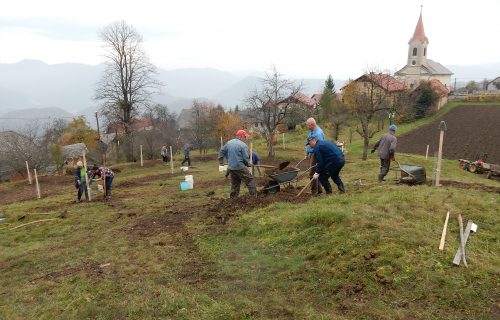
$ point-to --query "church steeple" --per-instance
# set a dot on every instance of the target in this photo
(417, 46)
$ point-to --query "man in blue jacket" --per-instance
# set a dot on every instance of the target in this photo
(330, 160)
(314, 132)
(238, 157)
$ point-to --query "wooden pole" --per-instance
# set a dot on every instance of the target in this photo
(171, 160)
(221, 143)
(38, 193)
(443, 235)
(283, 141)
(29, 173)
(462, 239)
(250, 160)
(307, 185)
(37, 221)
(142, 162)
(440, 155)
(103, 157)
(86, 176)
(427, 152)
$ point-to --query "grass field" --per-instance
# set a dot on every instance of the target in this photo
(155, 252)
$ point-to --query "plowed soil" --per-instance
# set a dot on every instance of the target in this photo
(472, 132)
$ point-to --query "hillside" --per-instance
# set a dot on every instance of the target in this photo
(472, 132)
(154, 251)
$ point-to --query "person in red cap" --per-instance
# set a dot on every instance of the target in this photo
(237, 155)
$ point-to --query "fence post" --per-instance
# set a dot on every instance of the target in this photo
(38, 193)
(171, 160)
(142, 163)
(86, 176)
(29, 173)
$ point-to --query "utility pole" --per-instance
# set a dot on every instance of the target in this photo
(103, 156)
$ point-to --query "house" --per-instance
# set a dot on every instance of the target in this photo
(442, 92)
(493, 85)
(138, 125)
(418, 66)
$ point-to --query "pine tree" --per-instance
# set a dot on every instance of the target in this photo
(330, 84)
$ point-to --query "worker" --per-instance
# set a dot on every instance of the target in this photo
(329, 162)
(237, 155)
(81, 182)
(105, 174)
(256, 162)
(164, 153)
(314, 132)
(187, 149)
(386, 149)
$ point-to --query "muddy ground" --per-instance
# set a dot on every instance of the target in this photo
(472, 132)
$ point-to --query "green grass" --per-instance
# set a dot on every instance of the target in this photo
(369, 254)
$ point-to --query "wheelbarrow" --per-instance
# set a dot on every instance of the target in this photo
(410, 174)
(281, 178)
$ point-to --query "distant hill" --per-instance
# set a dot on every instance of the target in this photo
(21, 120)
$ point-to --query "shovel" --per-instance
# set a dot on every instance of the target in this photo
(283, 165)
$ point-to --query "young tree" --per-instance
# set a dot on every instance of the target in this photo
(78, 131)
(227, 125)
(128, 83)
(333, 111)
(424, 98)
(369, 95)
(270, 104)
(201, 125)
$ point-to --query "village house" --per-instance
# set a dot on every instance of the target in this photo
(494, 85)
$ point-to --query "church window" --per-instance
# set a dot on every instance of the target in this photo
(414, 51)
(425, 51)
(413, 62)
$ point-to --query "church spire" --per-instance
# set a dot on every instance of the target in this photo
(419, 33)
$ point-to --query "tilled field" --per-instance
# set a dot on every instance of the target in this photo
(472, 132)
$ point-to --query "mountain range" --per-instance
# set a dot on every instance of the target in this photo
(34, 89)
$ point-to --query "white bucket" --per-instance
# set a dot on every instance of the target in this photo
(222, 168)
(184, 169)
(189, 179)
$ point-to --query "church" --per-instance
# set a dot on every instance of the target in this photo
(418, 66)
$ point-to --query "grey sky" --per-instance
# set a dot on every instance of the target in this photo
(302, 38)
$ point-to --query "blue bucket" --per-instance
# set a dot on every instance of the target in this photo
(184, 185)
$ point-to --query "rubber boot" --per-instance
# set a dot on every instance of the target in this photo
(341, 188)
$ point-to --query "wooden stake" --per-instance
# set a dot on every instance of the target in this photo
(142, 163)
(29, 173)
(171, 160)
(462, 239)
(283, 141)
(458, 255)
(38, 194)
(440, 154)
(86, 176)
(221, 143)
(443, 235)
(250, 160)
(427, 152)
(37, 221)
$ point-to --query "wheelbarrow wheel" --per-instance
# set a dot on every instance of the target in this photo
(272, 187)
(462, 165)
(473, 168)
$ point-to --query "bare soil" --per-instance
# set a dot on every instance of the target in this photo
(472, 132)
(49, 185)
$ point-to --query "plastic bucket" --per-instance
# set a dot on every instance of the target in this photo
(184, 185)
(222, 168)
(184, 169)
(189, 179)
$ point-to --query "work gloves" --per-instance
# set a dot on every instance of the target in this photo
(316, 175)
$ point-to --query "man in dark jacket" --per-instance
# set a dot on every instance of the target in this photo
(187, 149)
(329, 162)
(386, 149)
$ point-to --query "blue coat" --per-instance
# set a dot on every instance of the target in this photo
(327, 154)
(316, 133)
(236, 153)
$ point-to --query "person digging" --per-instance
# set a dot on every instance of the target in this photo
(329, 161)
(237, 155)
(386, 149)
(81, 182)
(314, 132)
(105, 174)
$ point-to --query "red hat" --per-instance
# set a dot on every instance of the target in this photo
(241, 133)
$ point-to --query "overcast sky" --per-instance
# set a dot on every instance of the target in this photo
(309, 38)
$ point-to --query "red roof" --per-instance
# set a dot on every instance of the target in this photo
(439, 88)
(419, 33)
(385, 81)
(300, 97)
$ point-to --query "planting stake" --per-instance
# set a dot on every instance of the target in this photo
(142, 163)
(443, 235)
(427, 152)
(458, 255)
(442, 128)
(86, 176)
(283, 141)
(171, 161)
(462, 241)
(38, 194)
(250, 161)
(29, 173)
(221, 143)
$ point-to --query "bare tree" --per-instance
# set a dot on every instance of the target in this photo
(369, 96)
(163, 130)
(128, 81)
(270, 103)
(203, 124)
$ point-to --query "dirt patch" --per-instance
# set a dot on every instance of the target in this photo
(171, 222)
(472, 132)
(463, 185)
(49, 185)
(226, 208)
(90, 268)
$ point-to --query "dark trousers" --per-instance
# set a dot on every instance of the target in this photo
(82, 190)
(186, 158)
(331, 171)
(242, 175)
(165, 158)
(109, 181)
(315, 186)
(385, 164)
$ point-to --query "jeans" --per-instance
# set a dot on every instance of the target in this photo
(188, 161)
(242, 175)
(385, 164)
(331, 171)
